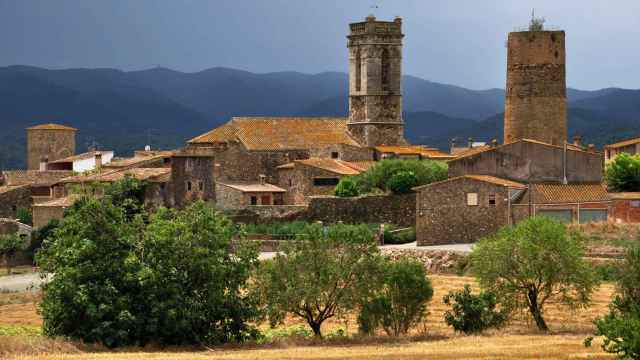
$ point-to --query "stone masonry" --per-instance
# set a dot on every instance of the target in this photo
(535, 103)
(49, 141)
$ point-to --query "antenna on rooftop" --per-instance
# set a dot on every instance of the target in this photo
(536, 24)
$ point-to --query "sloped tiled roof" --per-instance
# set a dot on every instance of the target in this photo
(280, 133)
(34, 177)
(252, 187)
(625, 195)
(83, 156)
(484, 178)
(623, 143)
(415, 150)
(51, 126)
(59, 202)
(569, 193)
(150, 174)
(332, 165)
(480, 149)
(139, 159)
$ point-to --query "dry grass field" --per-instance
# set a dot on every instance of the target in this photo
(433, 340)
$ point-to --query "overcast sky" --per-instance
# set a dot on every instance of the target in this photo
(460, 42)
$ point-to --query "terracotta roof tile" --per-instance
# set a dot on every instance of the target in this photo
(83, 156)
(570, 193)
(253, 187)
(625, 195)
(281, 133)
(137, 160)
(332, 165)
(480, 149)
(59, 202)
(623, 143)
(483, 178)
(150, 174)
(414, 150)
(51, 126)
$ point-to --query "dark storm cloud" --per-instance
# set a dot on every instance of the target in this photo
(454, 41)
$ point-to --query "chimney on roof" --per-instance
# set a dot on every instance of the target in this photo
(263, 179)
(577, 140)
(43, 163)
(98, 157)
(470, 143)
(147, 148)
(453, 144)
(494, 143)
(591, 148)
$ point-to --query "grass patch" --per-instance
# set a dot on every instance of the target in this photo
(19, 330)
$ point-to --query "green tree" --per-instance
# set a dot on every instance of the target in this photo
(472, 313)
(621, 326)
(24, 216)
(320, 275)
(10, 245)
(379, 175)
(623, 173)
(402, 182)
(402, 301)
(347, 187)
(532, 262)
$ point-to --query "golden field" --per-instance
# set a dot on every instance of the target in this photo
(432, 340)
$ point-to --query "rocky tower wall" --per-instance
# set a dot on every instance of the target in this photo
(50, 144)
(375, 82)
(535, 104)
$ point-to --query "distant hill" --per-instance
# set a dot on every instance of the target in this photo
(126, 110)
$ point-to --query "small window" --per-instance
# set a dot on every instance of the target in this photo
(166, 160)
(162, 186)
(290, 182)
(201, 185)
(325, 181)
(254, 200)
(188, 185)
(335, 155)
(492, 199)
(14, 208)
(472, 199)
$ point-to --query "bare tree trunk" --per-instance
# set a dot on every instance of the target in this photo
(534, 309)
(315, 326)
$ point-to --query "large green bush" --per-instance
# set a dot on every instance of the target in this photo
(621, 326)
(25, 216)
(402, 301)
(347, 187)
(378, 177)
(472, 313)
(535, 261)
(320, 275)
(402, 182)
(122, 281)
(623, 173)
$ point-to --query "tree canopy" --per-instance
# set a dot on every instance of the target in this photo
(623, 173)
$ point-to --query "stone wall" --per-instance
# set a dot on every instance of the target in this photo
(390, 209)
(345, 152)
(12, 199)
(192, 179)
(626, 211)
(444, 216)
(526, 162)
(299, 183)
(43, 214)
(535, 103)
(52, 144)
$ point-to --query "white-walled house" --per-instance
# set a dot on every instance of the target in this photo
(80, 163)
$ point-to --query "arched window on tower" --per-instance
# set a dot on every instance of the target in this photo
(358, 70)
(385, 70)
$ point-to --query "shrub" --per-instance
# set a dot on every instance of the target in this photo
(39, 235)
(400, 237)
(621, 326)
(347, 187)
(10, 245)
(24, 216)
(532, 262)
(402, 182)
(319, 276)
(402, 301)
(379, 175)
(623, 173)
(472, 313)
(120, 281)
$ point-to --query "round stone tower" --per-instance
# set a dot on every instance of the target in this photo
(49, 141)
(535, 104)
(375, 82)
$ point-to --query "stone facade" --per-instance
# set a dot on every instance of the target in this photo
(535, 103)
(192, 177)
(375, 82)
(389, 209)
(50, 142)
(303, 181)
(444, 215)
(13, 198)
(228, 197)
(43, 214)
(343, 152)
(526, 161)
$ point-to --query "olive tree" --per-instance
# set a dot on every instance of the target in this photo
(532, 262)
(10, 245)
(623, 173)
(324, 273)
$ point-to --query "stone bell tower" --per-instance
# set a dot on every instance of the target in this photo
(375, 82)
